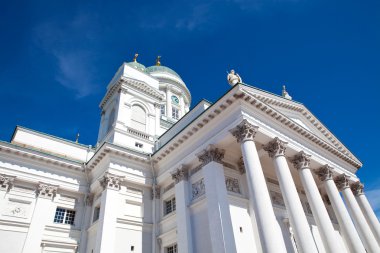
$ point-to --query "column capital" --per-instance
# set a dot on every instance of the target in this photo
(182, 173)
(301, 160)
(357, 188)
(156, 192)
(46, 191)
(241, 165)
(88, 200)
(211, 154)
(325, 172)
(6, 182)
(245, 131)
(342, 181)
(111, 181)
(275, 147)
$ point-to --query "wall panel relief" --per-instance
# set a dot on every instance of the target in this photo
(17, 208)
(198, 189)
(232, 185)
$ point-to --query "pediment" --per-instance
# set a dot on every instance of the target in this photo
(300, 116)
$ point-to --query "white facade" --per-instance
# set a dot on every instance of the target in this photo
(253, 172)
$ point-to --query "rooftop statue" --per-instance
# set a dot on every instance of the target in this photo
(285, 94)
(135, 58)
(233, 78)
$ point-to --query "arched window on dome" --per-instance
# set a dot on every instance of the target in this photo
(111, 119)
(138, 118)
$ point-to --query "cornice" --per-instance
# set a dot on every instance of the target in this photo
(136, 84)
(239, 93)
(23, 152)
(108, 148)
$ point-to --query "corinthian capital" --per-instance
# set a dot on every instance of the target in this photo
(342, 182)
(276, 147)
(156, 192)
(180, 174)
(46, 191)
(245, 131)
(357, 188)
(301, 160)
(6, 182)
(211, 154)
(324, 173)
(111, 181)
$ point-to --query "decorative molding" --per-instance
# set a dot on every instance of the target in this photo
(156, 192)
(232, 185)
(275, 148)
(6, 182)
(245, 131)
(170, 186)
(357, 188)
(46, 191)
(342, 182)
(111, 181)
(277, 198)
(198, 189)
(211, 154)
(301, 160)
(241, 165)
(180, 174)
(324, 173)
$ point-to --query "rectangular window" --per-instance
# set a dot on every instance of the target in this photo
(175, 113)
(171, 249)
(169, 206)
(65, 216)
(96, 214)
(162, 109)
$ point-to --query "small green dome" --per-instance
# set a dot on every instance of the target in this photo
(136, 65)
(161, 69)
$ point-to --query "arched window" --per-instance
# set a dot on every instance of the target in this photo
(111, 119)
(138, 118)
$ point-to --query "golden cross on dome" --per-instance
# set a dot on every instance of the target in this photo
(135, 58)
(158, 62)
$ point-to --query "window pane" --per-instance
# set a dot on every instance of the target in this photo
(70, 216)
(59, 214)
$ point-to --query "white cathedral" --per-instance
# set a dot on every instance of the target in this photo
(252, 172)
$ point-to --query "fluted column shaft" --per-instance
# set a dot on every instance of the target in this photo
(350, 236)
(369, 214)
(361, 225)
(270, 234)
(322, 219)
(297, 217)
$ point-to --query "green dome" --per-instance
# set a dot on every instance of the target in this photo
(161, 69)
(136, 65)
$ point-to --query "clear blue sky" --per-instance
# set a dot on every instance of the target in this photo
(56, 58)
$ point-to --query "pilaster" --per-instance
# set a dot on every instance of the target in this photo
(218, 210)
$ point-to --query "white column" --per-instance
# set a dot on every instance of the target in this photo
(168, 102)
(184, 234)
(347, 228)
(357, 216)
(182, 104)
(218, 208)
(271, 238)
(156, 195)
(369, 214)
(42, 214)
(86, 222)
(109, 201)
(321, 216)
(157, 108)
(304, 238)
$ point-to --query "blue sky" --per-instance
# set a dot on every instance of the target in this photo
(56, 58)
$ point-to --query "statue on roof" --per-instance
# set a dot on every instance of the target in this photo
(285, 94)
(135, 58)
(158, 61)
(233, 78)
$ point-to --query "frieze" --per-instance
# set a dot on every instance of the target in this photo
(275, 148)
(232, 185)
(245, 131)
(198, 189)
